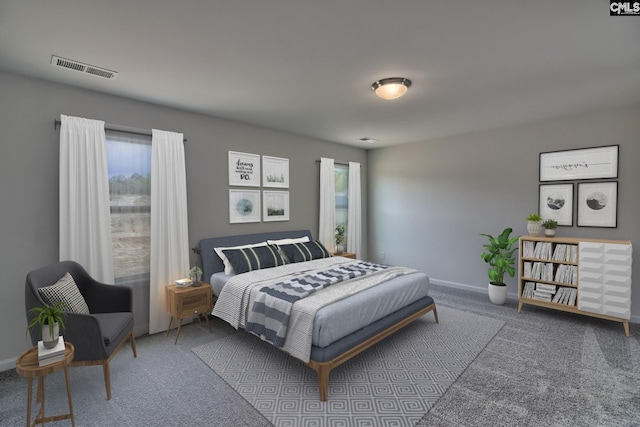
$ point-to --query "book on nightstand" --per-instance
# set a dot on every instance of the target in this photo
(47, 356)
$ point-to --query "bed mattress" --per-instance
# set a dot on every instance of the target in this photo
(337, 320)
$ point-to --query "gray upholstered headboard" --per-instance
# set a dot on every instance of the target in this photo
(211, 262)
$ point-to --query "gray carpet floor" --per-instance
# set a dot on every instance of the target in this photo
(544, 368)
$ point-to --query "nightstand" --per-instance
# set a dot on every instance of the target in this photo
(187, 302)
(345, 254)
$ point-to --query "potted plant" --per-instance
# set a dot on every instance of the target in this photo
(534, 224)
(195, 274)
(339, 238)
(51, 319)
(499, 254)
(550, 226)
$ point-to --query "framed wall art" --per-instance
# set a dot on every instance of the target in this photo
(275, 205)
(556, 202)
(244, 169)
(275, 172)
(598, 204)
(584, 163)
(244, 206)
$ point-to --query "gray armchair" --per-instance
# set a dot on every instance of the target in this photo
(96, 336)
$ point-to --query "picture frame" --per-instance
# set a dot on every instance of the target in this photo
(275, 172)
(244, 169)
(556, 202)
(598, 204)
(579, 164)
(275, 205)
(244, 206)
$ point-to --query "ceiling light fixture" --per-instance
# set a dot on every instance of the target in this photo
(391, 88)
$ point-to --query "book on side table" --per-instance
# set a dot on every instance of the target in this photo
(47, 356)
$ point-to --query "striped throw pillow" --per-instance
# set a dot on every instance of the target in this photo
(299, 252)
(256, 258)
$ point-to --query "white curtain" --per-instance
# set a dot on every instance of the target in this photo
(354, 224)
(85, 218)
(327, 226)
(169, 227)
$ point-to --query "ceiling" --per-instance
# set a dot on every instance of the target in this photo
(306, 66)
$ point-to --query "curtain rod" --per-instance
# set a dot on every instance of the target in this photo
(116, 128)
(338, 163)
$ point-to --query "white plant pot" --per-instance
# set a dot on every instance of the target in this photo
(49, 340)
(534, 228)
(549, 232)
(497, 294)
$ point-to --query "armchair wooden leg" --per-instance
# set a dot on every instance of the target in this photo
(107, 379)
(133, 344)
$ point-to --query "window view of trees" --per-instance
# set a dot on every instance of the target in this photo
(342, 196)
(129, 164)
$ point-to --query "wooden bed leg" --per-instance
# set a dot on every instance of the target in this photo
(323, 371)
(435, 313)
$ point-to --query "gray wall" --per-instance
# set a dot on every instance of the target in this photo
(29, 177)
(428, 202)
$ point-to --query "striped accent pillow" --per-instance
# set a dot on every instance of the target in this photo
(308, 251)
(66, 291)
(248, 259)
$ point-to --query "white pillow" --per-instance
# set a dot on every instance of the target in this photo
(228, 269)
(288, 241)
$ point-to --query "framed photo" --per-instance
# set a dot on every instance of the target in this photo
(585, 163)
(275, 205)
(598, 204)
(244, 206)
(244, 169)
(275, 172)
(556, 202)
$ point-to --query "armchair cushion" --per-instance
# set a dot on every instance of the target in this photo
(114, 326)
(66, 291)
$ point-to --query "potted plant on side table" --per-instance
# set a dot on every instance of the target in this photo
(550, 226)
(499, 254)
(51, 319)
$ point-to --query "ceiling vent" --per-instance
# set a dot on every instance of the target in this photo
(83, 68)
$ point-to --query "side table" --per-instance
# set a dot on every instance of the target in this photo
(345, 254)
(27, 366)
(187, 302)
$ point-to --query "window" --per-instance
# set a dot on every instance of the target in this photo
(342, 195)
(129, 165)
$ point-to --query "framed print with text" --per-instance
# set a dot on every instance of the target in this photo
(244, 169)
(244, 206)
(275, 205)
(275, 172)
(556, 202)
(598, 204)
(584, 163)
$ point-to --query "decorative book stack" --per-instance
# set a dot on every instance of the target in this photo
(47, 356)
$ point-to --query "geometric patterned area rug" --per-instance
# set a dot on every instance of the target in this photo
(394, 383)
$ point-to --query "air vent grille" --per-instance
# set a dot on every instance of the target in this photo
(83, 68)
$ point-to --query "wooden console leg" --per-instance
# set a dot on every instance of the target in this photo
(625, 323)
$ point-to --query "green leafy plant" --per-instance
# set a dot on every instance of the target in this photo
(499, 254)
(550, 224)
(48, 315)
(339, 234)
(195, 272)
(534, 217)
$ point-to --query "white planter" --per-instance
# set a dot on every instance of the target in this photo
(49, 340)
(534, 228)
(497, 294)
(549, 232)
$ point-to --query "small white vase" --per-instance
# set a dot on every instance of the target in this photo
(549, 232)
(497, 294)
(534, 228)
(48, 339)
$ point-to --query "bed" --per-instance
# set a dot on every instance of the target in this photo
(362, 311)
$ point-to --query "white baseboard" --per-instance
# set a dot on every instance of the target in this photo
(8, 364)
(477, 289)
